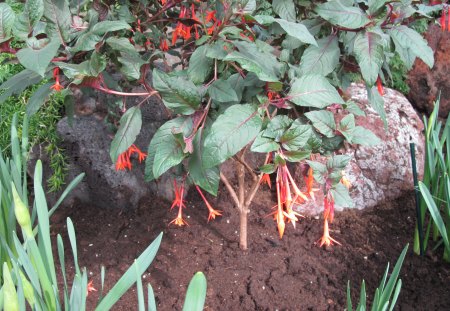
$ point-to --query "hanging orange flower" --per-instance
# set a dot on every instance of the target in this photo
(90, 288)
(380, 86)
(57, 86)
(326, 239)
(212, 212)
(179, 193)
(124, 162)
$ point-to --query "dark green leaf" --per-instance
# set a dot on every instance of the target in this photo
(297, 30)
(107, 26)
(319, 171)
(57, 12)
(368, 49)
(363, 136)
(200, 66)
(377, 102)
(38, 98)
(285, 9)
(314, 91)
(97, 64)
(341, 196)
(131, 65)
(7, 18)
(323, 121)
(296, 137)
(264, 144)
(347, 126)
(410, 40)
(178, 94)
(277, 126)
(338, 162)
(232, 131)
(321, 59)
(130, 126)
(353, 107)
(345, 16)
(18, 83)
(208, 179)
(39, 59)
(121, 44)
(268, 168)
(296, 156)
(375, 5)
(221, 91)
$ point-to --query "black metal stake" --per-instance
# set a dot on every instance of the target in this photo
(417, 195)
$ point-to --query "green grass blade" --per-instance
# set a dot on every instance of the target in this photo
(73, 244)
(151, 298)
(396, 294)
(128, 279)
(62, 262)
(69, 188)
(140, 290)
(387, 292)
(362, 298)
(196, 293)
(349, 298)
(434, 212)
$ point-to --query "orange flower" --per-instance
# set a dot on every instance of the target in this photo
(179, 221)
(328, 208)
(442, 21)
(210, 16)
(90, 288)
(292, 215)
(326, 238)
(380, 86)
(163, 2)
(265, 179)
(123, 161)
(57, 86)
(345, 181)
(279, 216)
(309, 180)
(212, 212)
(179, 192)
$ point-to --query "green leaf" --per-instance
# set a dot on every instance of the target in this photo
(86, 42)
(297, 30)
(277, 126)
(39, 59)
(131, 65)
(268, 168)
(7, 18)
(130, 126)
(434, 212)
(353, 107)
(200, 66)
(375, 5)
(178, 94)
(97, 63)
(18, 83)
(377, 102)
(297, 156)
(408, 39)
(256, 58)
(368, 49)
(57, 13)
(363, 136)
(120, 44)
(347, 126)
(129, 278)
(319, 171)
(169, 148)
(206, 178)
(323, 121)
(345, 16)
(264, 144)
(321, 59)
(196, 293)
(297, 136)
(285, 9)
(221, 91)
(159, 138)
(107, 26)
(338, 162)
(341, 196)
(314, 91)
(38, 98)
(231, 132)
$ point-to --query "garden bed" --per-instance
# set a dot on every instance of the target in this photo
(288, 274)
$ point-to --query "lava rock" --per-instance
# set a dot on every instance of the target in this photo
(426, 84)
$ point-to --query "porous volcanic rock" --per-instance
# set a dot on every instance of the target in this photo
(381, 172)
(425, 83)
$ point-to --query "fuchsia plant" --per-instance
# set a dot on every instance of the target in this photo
(251, 77)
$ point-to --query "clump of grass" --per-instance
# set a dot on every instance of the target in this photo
(42, 129)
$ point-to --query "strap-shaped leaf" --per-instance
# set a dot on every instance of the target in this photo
(130, 126)
(345, 16)
(231, 132)
(321, 59)
(368, 50)
(196, 293)
(38, 98)
(18, 83)
(314, 91)
(178, 94)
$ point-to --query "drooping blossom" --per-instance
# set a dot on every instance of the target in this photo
(124, 161)
(326, 239)
(57, 86)
(90, 288)
(380, 86)
(178, 201)
(212, 212)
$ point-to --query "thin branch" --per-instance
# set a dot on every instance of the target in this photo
(241, 182)
(253, 192)
(246, 165)
(230, 189)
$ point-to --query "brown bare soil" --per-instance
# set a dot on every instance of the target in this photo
(288, 274)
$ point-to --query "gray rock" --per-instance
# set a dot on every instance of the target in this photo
(382, 172)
